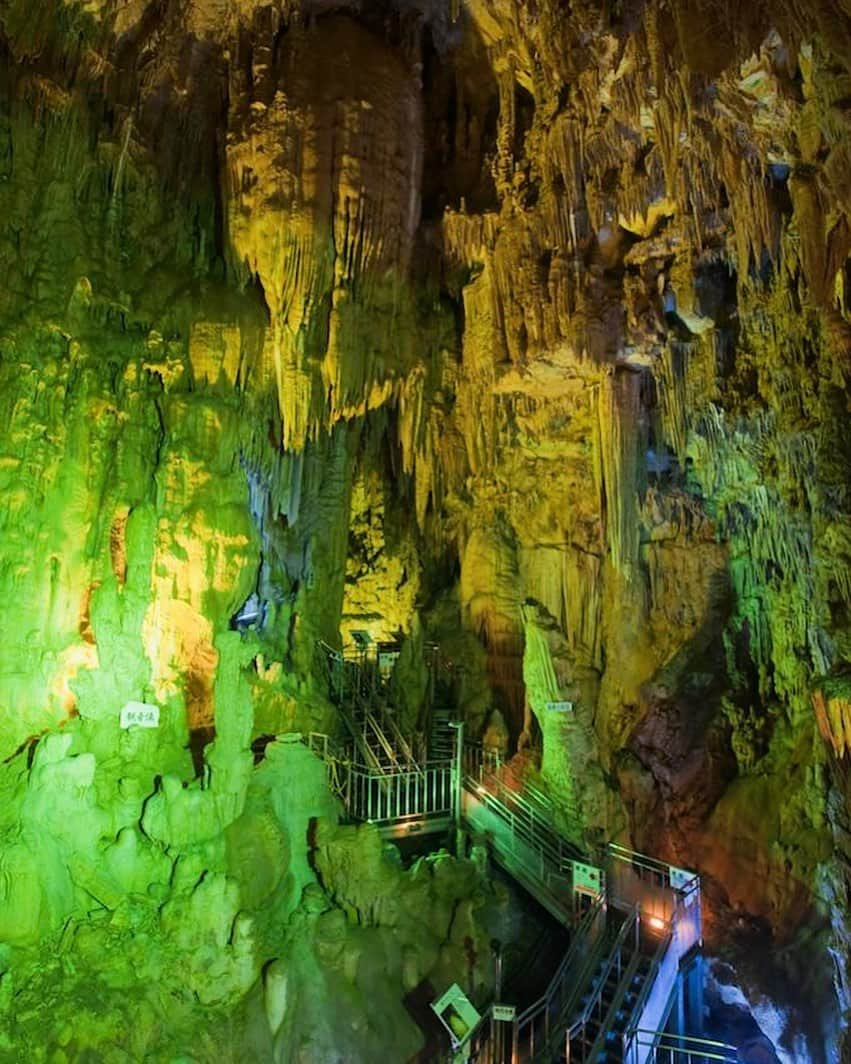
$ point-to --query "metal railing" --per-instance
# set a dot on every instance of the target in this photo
(652, 1005)
(682, 1049)
(397, 798)
(595, 1012)
(402, 749)
(661, 891)
(545, 1022)
(480, 762)
(346, 673)
(526, 845)
(525, 819)
(542, 1024)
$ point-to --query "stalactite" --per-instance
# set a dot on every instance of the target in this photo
(618, 414)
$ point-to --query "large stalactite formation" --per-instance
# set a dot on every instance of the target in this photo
(518, 326)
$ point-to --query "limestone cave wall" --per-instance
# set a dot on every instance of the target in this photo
(523, 328)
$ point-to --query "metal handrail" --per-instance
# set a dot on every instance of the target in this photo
(400, 796)
(524, 1024)
(480, 762)
(687, 1046)
(517, 798)
(559, 981)
(552, 849)
(629, 924)
(391, 725)
(655, 964)
(371, 721)
(651, 864)
(626, 978)
(358, 734)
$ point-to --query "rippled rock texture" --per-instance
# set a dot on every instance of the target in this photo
(518, 327)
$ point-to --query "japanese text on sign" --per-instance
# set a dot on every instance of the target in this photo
(140, 713)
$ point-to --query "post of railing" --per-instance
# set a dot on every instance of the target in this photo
(457, 782)
(349, 795)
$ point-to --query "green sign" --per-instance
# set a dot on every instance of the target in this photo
(504, 1013)
(457, 1014)
(587, 879)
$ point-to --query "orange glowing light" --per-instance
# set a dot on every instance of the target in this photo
(656, 923)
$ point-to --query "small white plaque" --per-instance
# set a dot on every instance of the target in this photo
(559, 707)
(142, 714)
(505, 1013)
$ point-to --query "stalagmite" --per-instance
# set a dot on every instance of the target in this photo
(370, 367)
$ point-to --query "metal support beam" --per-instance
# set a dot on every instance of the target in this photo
(457, 784)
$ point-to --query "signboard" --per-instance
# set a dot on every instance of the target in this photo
(457, 1014)
(386, 661)
(559, 707)
(505, 1013)
(588, 879)
(142, 714)
(684, 881)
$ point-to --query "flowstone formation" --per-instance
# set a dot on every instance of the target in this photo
(520, 329)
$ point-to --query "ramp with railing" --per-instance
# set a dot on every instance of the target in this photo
(636, 921)
(527, 846)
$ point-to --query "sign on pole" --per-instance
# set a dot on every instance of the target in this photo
(587, 879)
(684, 881)
(457, 1014)
(504, 1013)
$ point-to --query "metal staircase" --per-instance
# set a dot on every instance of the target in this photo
(355, 685)
(440, 738)
(612, 994)
(635, 921)
(526, 844)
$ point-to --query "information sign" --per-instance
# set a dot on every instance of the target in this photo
(457, 1014)
(587, 879)
(681, 879)
(504, 1013)
(684, 881)
(142, 714)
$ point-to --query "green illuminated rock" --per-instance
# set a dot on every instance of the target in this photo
(519, 334)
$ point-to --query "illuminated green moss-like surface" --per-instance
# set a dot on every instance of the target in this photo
(229, 368)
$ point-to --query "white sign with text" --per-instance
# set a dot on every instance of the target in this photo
(142, 714)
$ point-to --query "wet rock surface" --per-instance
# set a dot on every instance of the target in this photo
(484, 324)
